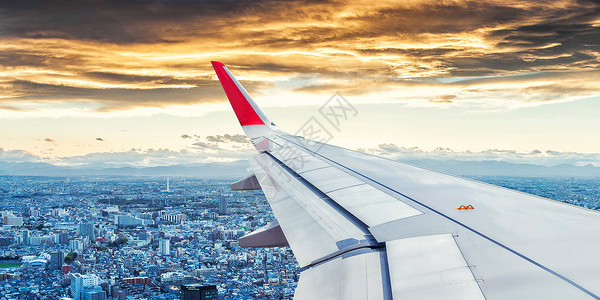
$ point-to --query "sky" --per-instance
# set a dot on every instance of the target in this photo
(130, 82)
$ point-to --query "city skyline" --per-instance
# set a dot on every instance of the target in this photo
(144, 247)
(132, 83)
(119, 237)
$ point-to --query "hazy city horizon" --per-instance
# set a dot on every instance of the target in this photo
(238, 168)
(147, 236)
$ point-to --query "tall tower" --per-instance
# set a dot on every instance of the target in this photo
(57, 258)
(222, 205)
(168, 189)
(25, 237)
(87, 229)
(164, 247)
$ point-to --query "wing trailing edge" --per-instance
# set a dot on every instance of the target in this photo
(270, 235)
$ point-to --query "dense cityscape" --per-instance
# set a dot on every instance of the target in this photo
(137, 237)
(153, 237)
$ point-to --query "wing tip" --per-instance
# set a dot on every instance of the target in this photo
(217, 64)
(241, 102)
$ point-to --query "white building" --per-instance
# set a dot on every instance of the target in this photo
(76, 245)
(80, 284)
(174, 277)
(59, 212)
(175, 218)
(28, 258)
(164, 247)
(11, 220)
(112, 209)
(127, 220)
(37, 263)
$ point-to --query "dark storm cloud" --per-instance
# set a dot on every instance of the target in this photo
(437, 17)
(113, 21)
(19, 58)
(125, 54)
(156, 80)
(121, 98)
(115, 97)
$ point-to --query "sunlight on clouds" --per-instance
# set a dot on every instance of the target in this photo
(355, 46)
(85, 110)
(478, 56)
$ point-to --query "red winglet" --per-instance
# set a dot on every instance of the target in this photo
(242, 108)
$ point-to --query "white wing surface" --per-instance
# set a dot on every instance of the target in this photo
(365, 227)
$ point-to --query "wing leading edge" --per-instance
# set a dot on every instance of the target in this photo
(369, 228)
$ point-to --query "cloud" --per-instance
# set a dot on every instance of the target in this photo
(390, 148)
(11, 108)
(205, 146)
(204, 152)
(152, 157)
(17, 156)
(114, 98)
(546, 158)
(156, 54)
(227, 138)
(443, 99)
(233, 144)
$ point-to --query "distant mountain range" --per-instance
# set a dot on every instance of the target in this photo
(239, 169)
(216, 169)
(502, 168)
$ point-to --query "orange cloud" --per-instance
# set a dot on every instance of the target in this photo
(157, 54)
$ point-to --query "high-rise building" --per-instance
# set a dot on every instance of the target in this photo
(87, 229)
(62, 238)
(164, 247)
(223, 205)
(57, 259)
(59, 212)
(25, 237)
(83, 284)
(32, 212)
(76, 245)
(199, 292)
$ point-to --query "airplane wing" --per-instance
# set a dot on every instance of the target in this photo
(365, 227)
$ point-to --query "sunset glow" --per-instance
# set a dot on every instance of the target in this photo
(138, 74)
